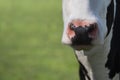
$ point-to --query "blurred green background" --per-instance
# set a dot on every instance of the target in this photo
(30, 42)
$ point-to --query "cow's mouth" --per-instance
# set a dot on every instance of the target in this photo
(82, 47)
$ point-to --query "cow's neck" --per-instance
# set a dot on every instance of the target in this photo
(94, 62)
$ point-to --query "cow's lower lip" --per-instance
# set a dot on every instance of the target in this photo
(81, 47)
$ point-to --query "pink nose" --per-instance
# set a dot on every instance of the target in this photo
(82, 32)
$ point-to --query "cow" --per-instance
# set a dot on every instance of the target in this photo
(92, 30)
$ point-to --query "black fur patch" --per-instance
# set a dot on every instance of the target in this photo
(83, 73)
(113, 62)
(110, 16)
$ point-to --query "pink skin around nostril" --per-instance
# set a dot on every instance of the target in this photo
(78, 23)
(93, 34)
(70, 33)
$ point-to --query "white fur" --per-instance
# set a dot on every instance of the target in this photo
(91, 10)
(84, 60)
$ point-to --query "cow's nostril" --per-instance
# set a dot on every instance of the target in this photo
(92, 27)
(72, 26)
(92, 31)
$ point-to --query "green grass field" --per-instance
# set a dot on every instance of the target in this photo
(30, 42)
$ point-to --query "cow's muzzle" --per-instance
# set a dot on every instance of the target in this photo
(82, 33)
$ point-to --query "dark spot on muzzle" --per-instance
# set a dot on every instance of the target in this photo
(82, 34)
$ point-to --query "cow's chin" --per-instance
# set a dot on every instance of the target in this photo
(82, 47)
